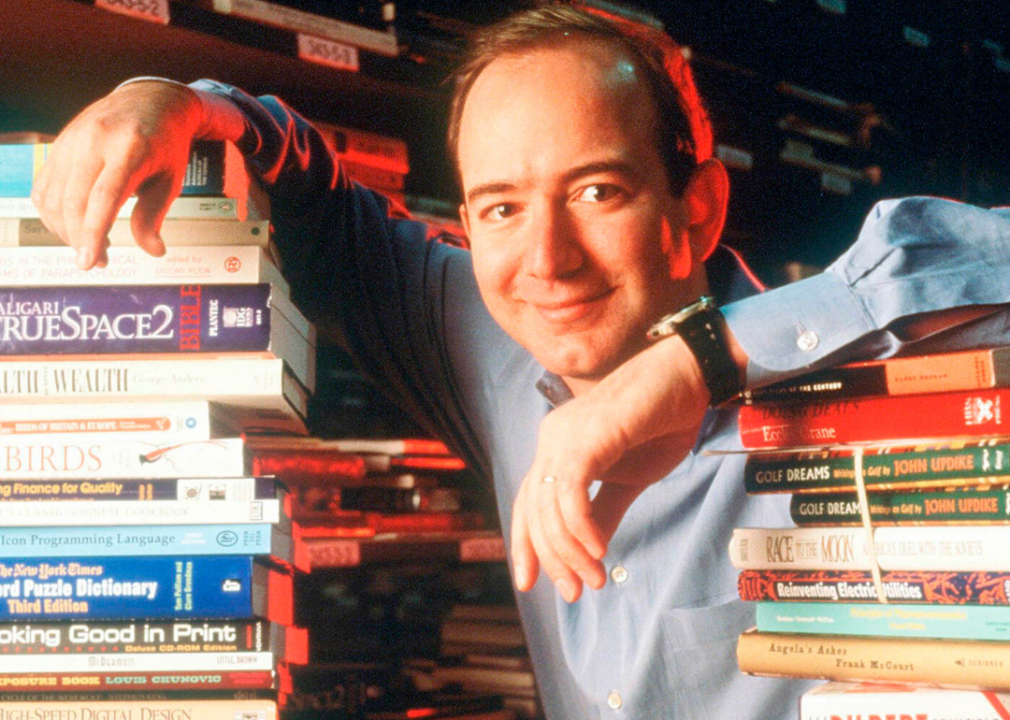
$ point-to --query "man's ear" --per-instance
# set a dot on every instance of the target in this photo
(705, 200)
(464, 217)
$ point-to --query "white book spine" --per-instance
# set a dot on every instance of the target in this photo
(21, 231)
(181, 707)
(137, 512)
(292, 19)
(212, 264)
(222, 377)
(862, 700)
(137, 662)
(948, 548)
(186, 207)
(164, 422)
(104, 459)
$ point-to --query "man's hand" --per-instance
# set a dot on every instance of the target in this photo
(629, 431)
(134, 141)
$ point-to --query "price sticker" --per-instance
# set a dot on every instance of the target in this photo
(328, 52)
(150, 10)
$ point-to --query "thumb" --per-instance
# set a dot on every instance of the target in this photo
(610, 504)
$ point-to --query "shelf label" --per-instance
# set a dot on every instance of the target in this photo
(834, 183)
(734, 157)
(916, 37)
(481, 549)
(150, 10)
(328, 52)
(332, 553)
(836, 7)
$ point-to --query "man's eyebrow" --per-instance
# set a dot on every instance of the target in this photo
(602, 166)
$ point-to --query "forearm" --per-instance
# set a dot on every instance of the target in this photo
(922, 272)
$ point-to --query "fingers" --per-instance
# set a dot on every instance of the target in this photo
(541, 538)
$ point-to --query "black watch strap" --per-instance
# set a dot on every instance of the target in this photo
(703, 329)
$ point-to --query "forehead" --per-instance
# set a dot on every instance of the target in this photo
(581, 96)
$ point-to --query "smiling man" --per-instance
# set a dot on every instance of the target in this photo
(593, 210)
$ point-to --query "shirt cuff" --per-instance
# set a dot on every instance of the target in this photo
(787, 330)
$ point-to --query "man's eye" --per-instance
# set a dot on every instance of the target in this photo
(597, 193)
(501, 211)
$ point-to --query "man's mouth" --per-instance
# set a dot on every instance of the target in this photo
(570, 310)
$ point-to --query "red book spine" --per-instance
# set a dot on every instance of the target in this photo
(956, 414)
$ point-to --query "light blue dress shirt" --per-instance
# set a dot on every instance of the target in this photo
(658, 641)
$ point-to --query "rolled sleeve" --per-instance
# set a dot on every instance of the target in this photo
(912, 256)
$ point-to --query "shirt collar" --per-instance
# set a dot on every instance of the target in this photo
(729, 278)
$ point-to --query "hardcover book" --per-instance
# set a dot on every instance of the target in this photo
(938, 415)
(73, 513)
(204, 491)
(959, 622)
(164, 422)
(106, 459)
(952, 506)
(901, 702)
(57, 681)
(109, 588)
(942, 372)
(938, 464)
(971, 664)
(904, 586)
(951, 547)
(182, 707)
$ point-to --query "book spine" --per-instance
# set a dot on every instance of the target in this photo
(947, 372)
(872, 419)
(182, 421)
(151, 587)
(968, 622)
(148, 379)
(184, 707)
(955, 663)
(155, 540)
(57, 681)
(126, 459)
(288, 18)
(146, 662)
(951, 547)
(210, 491)
(939, 588)
(856, 701)
(183, 208)
(135, 319)
(132, 637)
(160, 512)
(207, 173)
(891, 468)
(909, 508)
(25, 232)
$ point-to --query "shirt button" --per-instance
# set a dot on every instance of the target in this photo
(619, 574)
(807, 340)
(614, 700)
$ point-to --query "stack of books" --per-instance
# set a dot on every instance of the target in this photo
(899, 568)
(142, 566)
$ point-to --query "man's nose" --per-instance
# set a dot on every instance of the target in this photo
(553, 247)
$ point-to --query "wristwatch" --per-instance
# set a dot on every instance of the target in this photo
(703, 329)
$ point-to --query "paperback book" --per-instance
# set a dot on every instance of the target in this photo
(162, 422)
(183, 707)
(22, 233)
(204, 491)
(56, 681)
(107, 588)
(73, 513)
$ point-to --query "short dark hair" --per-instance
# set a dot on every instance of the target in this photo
(684, 134)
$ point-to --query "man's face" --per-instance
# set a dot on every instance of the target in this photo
(578, 244)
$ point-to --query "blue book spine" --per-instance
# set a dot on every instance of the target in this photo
(20, 163)
(947, 622)
(141, 540)
(136, 587)
(134, 319)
